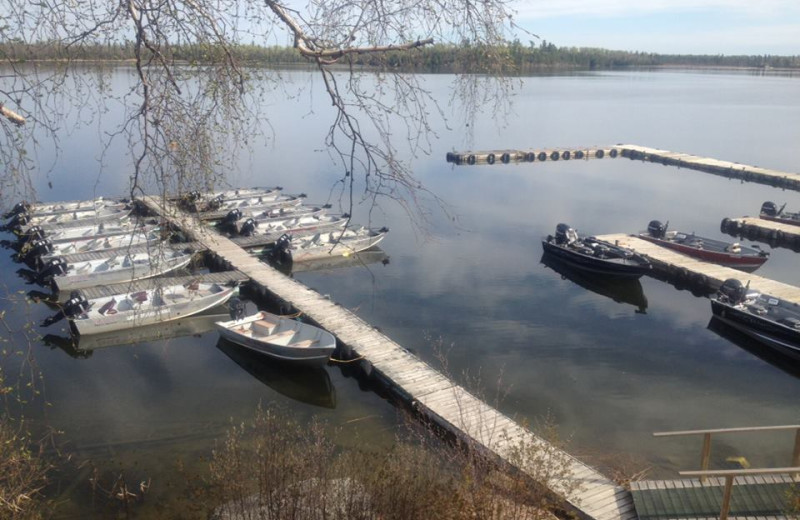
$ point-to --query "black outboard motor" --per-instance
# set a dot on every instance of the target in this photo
(35, 249)
(51, 269)
(769, 209)
(565, 234)
(248, 228)
(214, 203)
(656, 229)
(236, 308)
(33, 233)
(18, 220)
(73, 308)
(281, 253)
(19, 207)
(231, 218)
(733, 290)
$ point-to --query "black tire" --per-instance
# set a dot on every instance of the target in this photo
(506, 158)
(613, 153)
(555, 156)
(566, 155)
(542, 156)
(490, 158)
(530, 157)
(599, 154)
(579, 154)
(471, 159)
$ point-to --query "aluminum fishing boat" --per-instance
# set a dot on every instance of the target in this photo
(770, 211)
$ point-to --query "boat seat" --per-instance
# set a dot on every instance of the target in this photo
(278, 335)
(263, 326)
(304, 343)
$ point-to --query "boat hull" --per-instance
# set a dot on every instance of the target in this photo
(630, 269)
(774, 335)
(305, 357)
(70, 282)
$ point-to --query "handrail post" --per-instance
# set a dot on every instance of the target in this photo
(706, 456)
(726, 498)
(796, 454)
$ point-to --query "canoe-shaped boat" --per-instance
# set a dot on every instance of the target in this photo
(593, 255)
(294, 225)
(767, 319)
(198, 201)
(85, 217)
(345, 242)
(126, 311)
(114, 268)
(251, 207)
(48, 208)
(46, 249)
(771, 211)
(280, 338)
(706, 249)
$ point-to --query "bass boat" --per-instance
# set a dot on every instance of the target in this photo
(706, 249)
(770, 211)
(767, 319)
(593, 255)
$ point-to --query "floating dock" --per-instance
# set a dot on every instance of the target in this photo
(731, 170)
(586, 492)
(776, 234)
(676, 266)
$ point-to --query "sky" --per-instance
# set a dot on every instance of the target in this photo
(730, 27)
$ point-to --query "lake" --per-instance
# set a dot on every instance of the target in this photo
(609, 371)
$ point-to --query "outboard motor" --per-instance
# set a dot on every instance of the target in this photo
(733, 290)
(73, 308)
(769, 209)
(656, 229)
(51, 269)
(231, 218)
(565, 234)
(248, 228)
(281, 253)
(236, 308)
(35, 249)
(19, 220)
(33, 233)
(19, 207)
(215, 203)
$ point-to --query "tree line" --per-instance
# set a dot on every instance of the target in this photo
(514, 57)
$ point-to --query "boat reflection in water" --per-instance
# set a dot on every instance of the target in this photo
(776, 358)
(82, 346)
(310, 385)
(621, 290)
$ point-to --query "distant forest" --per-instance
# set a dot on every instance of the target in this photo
(512, 58)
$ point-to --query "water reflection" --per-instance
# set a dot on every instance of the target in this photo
(621, 290)
(310, 385)
(82, 346)
(775, 358)
(372, 255)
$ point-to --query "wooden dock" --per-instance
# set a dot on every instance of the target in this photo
(776, 234)
(585, 492)
(681, 267)
(731, 170)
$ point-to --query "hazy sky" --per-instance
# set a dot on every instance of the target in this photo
(666, 26)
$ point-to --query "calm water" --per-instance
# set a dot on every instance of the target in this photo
(609, 375)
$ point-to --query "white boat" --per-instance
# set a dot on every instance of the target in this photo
(61, 207)
(46, 249)
(86, 232)
(280, 338)
(126, 311)
(334, 243)
(295, 225)
(72, 218)
(198, 201)
(67, 276)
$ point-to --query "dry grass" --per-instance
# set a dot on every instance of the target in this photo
(22, 474)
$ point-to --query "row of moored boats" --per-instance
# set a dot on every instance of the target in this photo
(73, 246)
(766, 318)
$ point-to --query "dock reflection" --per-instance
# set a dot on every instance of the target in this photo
(618, 289)
(781, 361)
(82, 346)
(373, 255)
(309, 385)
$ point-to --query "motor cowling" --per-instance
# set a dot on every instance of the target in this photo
(37, 248)
(565, 234)
(76, 305)
(733, 290)
(281, 253)
(33, 233)
(656, 229)
(248, 228)
(236, 308)
(215, 203)
(232, 217)
(19, 207)
(769, 208)
(19, 220)
(54, 267)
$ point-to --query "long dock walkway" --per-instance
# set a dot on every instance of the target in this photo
(731, 170)
(586, 492)
(679, 266)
